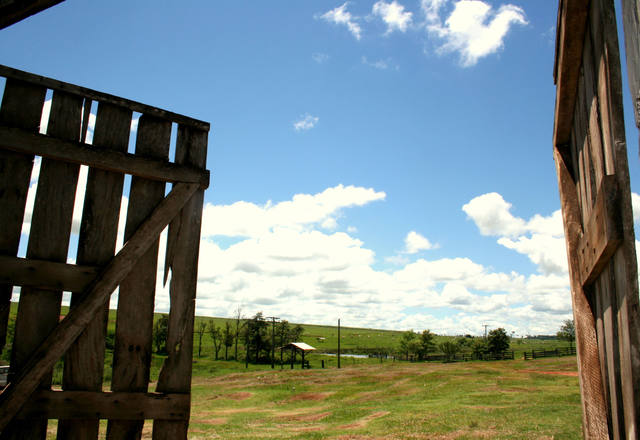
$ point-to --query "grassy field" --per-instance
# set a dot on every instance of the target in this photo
(472, 400)
(379, 399)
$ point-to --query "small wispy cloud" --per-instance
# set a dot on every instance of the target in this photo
(380, 64)
(320, 57)
(393, 14)
(306, 122)
(340, 16)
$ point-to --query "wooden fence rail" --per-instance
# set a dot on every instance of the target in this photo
(40, 338)
(556, 352)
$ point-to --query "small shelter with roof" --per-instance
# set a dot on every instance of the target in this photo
(296, 347)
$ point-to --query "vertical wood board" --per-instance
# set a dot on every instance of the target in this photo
(134, 322)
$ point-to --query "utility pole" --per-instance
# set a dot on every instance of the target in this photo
(485, 330)
(338, 343)
(273, 340)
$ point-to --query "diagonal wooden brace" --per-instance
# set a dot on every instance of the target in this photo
(47, 354)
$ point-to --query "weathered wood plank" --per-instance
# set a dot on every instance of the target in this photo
(572, 21)
(39, 310)
(605, 289)
(84, 362)
(13, 11)
(602, 233)
(594, 406)
(21, 107)
(91, 155)
(47, 275)
(18, 391)
(94, 95)
(631, 21)
(182, 259)
(134, 322)
(106, 405)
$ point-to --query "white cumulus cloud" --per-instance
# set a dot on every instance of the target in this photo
(415, 243)
(342, 17)
(541, 238)
(393, 15)
(473, 29)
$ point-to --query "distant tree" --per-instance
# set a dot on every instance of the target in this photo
(296, 332)
(498, 341)
(160, 333)
(567, 332)
(201, 329)
(227, 337)
(450, 349)
(408, 343)
(216, 336)
(257, 335)
(479, 347)
(427, 343)
(238, 316)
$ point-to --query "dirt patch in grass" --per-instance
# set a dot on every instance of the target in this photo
(363, 421)
(300, 411)
(232, 411)
(310, 396)
(553, 373)
(215, 421)
(365, 397)
(239, 396)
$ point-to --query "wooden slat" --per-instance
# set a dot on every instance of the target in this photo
(84, 362)
(39, 310)
(602, 233)
(594, 406)
(50, 83)
(21, 107)
(47, 275)
(572, 21)
(12, 11)
(99, 405)
(631, 20)
(18, 391)
(91, 155)
(134, 322)
(182, 259)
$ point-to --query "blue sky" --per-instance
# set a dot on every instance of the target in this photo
(388, 163)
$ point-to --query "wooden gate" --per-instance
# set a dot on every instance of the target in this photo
(41, 338)
(593, 176)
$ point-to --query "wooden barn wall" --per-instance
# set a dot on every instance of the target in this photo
(593, 176)
(41, 337)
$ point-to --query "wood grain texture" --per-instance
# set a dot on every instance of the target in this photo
(594, 406)
(21, 107)
(97, 157)
(46, 275)
(18, 391)
(84, 362)
(182, 259)
(94, 95)
(134, 322)
(39, 310)
(79, 405)
(602, 232)
(606, 243)
(631, 22)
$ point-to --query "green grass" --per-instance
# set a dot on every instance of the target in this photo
(498, 400)
(374, 399)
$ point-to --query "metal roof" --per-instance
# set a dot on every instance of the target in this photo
(300, 346)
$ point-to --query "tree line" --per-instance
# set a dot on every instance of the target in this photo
(258, 337)
(418, 346)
